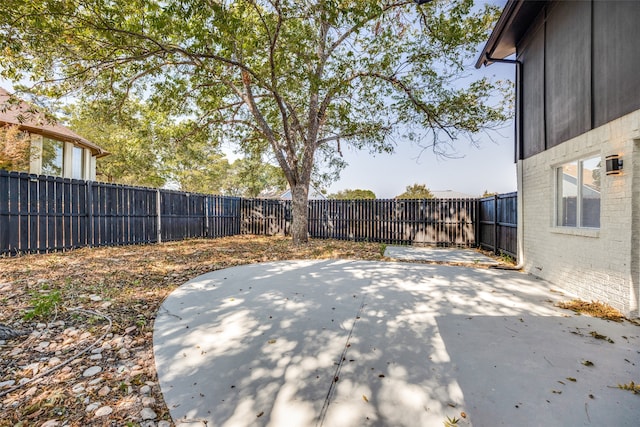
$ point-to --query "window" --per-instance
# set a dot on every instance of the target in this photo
(52, 151)
(578, 193)
(77, 163)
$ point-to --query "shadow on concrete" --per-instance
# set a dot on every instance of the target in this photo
(354, 343)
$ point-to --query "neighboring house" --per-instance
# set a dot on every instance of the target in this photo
(314, 194)
(54, 149)
(578, 102)
(450, 194)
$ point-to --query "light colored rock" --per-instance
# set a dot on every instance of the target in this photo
(95, 298)
(92, 407)
(94, 370)
(148, 414)
(78, 388)
(145, 389)
(164, 423)
(50, 423)
(8, 383)
(148, 401)
(123, 353)
(95, 381)
(97, 350)
(16, 351)
(96, 356)
(103, 411)
(130, 329)
(104, 391)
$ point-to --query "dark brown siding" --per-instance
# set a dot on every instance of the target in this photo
(568, 71)
(532, 58)
(580, 70)
(616, 65)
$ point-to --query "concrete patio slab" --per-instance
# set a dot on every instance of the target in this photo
(355, 343)
(439, 255)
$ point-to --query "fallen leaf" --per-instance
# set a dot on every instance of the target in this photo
(463, 414)
(260, 414)
(365, 398)
(587, 363)
(571, 379)
(271, 341)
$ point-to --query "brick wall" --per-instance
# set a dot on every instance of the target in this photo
(601, 264)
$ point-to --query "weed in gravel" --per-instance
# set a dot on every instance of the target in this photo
(44, 305)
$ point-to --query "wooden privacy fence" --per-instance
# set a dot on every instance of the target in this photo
(41, 213)
(498, 222)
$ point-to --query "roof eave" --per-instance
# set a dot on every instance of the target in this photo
(95, 150)
(497, 46)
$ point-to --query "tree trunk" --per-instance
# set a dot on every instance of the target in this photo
(300, 206)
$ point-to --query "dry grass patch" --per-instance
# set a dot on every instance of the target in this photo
(593, 308)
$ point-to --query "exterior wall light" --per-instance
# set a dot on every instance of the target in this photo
(614, 164)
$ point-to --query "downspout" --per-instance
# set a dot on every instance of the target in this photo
(517, 151)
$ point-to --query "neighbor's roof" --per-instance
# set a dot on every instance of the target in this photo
(450, 194)
(28, 119)
(511, 26)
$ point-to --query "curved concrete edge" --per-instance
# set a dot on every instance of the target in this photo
(355, 343)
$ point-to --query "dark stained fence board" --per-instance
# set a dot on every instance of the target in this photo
(5, 199)
(498, 223)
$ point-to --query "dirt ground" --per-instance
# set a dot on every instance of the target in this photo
(86, 356)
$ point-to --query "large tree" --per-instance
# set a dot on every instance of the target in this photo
(355, 194)
(416, 191)
(302, 77)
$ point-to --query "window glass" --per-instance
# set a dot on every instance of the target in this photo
(578, 193)
(567, 194)
(77, 163)
(52, 157)
(590, 200)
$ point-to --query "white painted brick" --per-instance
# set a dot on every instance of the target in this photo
(598, 268)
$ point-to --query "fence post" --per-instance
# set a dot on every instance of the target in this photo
(495, 224)
(89, 201)
(159, 214)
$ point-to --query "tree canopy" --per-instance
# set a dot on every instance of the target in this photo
(356, 194)
(416, 191)
(14, 149)
(301, 79)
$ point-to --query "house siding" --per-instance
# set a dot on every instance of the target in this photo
(594, 264)
(580, 63)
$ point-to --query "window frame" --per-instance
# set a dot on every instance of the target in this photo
(558, 196)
